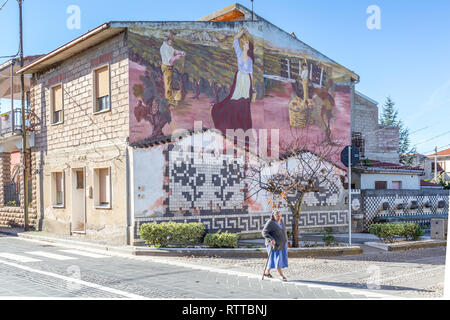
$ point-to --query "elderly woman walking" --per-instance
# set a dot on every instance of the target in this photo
(276, 239)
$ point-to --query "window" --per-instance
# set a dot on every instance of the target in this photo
(380, 185)
(396, 185)
(57, 104)
(102, 100)
(102, 187)
(80, 179)
(358, 141)
(58, 189)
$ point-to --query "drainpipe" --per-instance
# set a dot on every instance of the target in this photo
(12, 95)
(127, 172)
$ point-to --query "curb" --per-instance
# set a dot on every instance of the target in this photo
(225, 253)
(78, 244)
(410, 245)
(250, 253)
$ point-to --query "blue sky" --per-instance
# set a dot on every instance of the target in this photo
(407, 59)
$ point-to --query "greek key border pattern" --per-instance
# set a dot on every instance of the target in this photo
(249, 223)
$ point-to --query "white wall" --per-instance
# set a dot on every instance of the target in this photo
(148, 174)
(409, 182)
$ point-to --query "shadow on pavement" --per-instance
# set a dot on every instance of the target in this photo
(360, 286)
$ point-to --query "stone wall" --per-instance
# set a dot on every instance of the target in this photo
(380, 142)
(13, 216)
(84, 140)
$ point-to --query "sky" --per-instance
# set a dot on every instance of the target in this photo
(406, 58)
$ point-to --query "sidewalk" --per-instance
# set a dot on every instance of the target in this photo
(248, 248)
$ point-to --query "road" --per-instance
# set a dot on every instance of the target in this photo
(33, 269)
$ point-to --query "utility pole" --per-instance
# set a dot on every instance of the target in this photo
(24, 129)
(349, 216)
(252, 10)
(435, 164)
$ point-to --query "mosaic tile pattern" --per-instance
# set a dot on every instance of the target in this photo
(392, 205)
(204, 183)
(329, 195)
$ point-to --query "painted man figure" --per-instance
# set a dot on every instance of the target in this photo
(168, 56)
(304, 75)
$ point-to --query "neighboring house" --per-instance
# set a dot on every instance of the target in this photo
(430, 185)
(375, 141)
(414, 160)
(11, 182)
(442, 162)
(378, 175)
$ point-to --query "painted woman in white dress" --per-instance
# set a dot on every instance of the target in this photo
(234, 111)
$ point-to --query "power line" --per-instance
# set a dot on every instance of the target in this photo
(438, 136)
(3, 5)
(439, 149)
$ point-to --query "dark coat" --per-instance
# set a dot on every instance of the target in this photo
(272, 231)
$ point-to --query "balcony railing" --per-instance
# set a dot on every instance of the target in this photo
(11, 123)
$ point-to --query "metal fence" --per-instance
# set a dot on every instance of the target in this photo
(11, 193)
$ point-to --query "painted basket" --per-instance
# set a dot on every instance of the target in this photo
(300, 115)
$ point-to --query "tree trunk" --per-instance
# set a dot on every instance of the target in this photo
(295, 216)
(295, 229)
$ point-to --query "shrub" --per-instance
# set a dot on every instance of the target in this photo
(418, 232)
(407, 230)
(328, 238)
(387, 231)
(221, 240)
(162, 234)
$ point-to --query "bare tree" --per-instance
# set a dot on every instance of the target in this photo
(299, 171)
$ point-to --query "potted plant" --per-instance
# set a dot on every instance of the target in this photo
(5, 116)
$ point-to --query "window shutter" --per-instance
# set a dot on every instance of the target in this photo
(102, 82)
(57, 98)
(58, 178)
(104, 184)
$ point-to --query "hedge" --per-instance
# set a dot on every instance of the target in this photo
(221, 240)
(388, 231)
(162, 234)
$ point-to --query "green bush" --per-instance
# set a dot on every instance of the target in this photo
(328, 238)
(417, 233)
(407, 230)
(162, 234)
(221, 240)
(388, 231)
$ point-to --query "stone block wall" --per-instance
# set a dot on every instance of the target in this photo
(84, 140)
(380, 142)
(14, 216)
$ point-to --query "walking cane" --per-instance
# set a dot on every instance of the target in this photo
(267, 262)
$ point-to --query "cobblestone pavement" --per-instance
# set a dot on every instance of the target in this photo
(406, 274)
(41, 270)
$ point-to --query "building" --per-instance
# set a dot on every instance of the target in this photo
(442, 162)
(109, 106)
(376, 175)
(11, 175)
(376, 142)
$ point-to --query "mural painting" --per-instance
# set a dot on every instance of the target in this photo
(245, 75)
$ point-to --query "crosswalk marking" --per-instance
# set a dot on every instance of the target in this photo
(51, 255)
(84, 253)
(16, 257)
